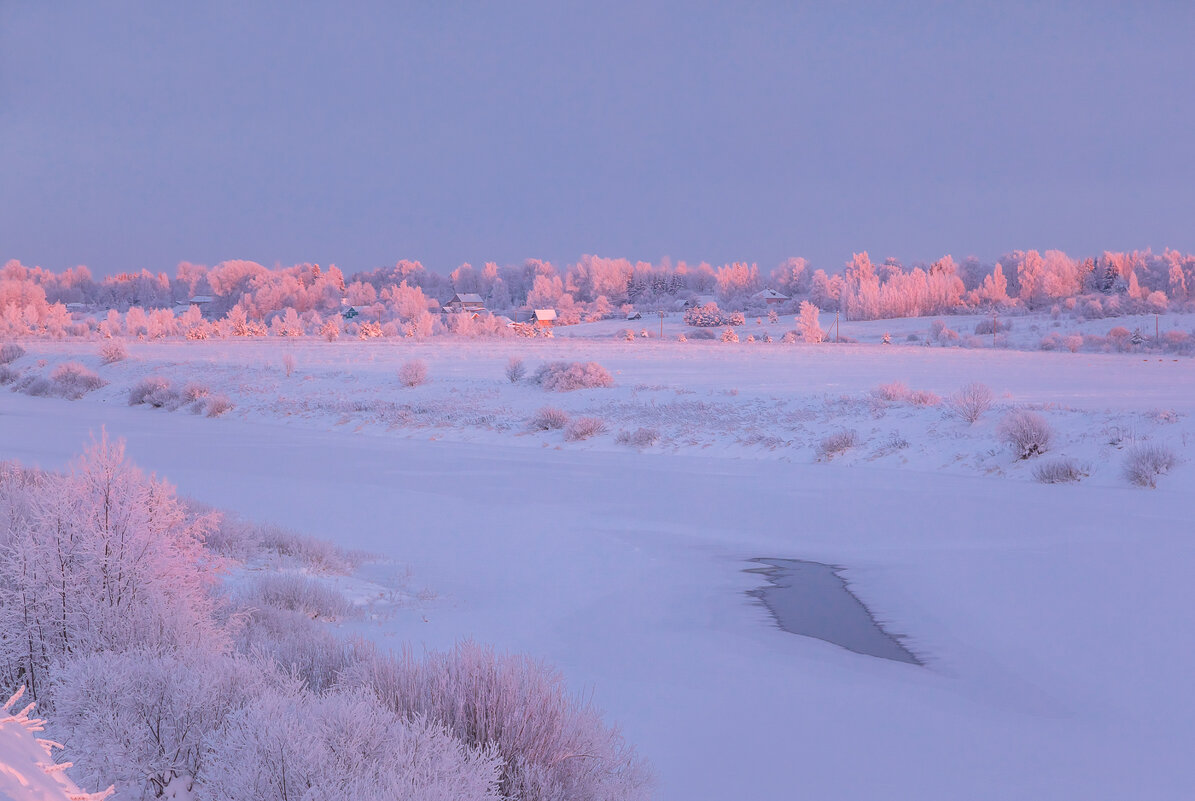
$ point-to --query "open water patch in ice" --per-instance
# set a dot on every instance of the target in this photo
(813, 600)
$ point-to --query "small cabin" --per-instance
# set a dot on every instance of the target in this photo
(770, 296)
(543, 318)
(634, 315)
(468, 301)
(200, 300)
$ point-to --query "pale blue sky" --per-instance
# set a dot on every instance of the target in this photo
(139, 134)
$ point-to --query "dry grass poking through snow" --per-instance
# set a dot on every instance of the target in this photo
(1060, 471)
(584, 428)
(836, 444)
(549, 418)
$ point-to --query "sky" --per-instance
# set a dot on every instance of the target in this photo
(140, 134)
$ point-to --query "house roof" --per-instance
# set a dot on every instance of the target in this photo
(468, 297)
(771, 294)
(201, 299)
(545, 314)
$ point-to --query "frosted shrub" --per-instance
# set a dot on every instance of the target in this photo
(551, 746)
(218, 405)
(639, 438)
(1059, 471)
(297, 593)
(345, 745)
(72, 380)
(584, 428)
(313, 554)
(1072, 342)
(8, 374)
(789, 338)
(298, 645)
(549, 418)
(729, 335)
(194, 391)
(10, 352)
(569, 376)
(515, 370)
(1145, 462)
(1026, 432)
(112, 351)
(923, 397)
(894, 391)
(836, 444)
(141, 719)
(288, 362)
(154, 391)
(971, 402)
(413, 373)
(681, 338)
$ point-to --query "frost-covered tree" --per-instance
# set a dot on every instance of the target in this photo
(101, 558)
(808, 325)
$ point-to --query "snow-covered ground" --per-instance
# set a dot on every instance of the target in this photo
(1053, 620)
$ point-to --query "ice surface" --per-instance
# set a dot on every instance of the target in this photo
(811, 599)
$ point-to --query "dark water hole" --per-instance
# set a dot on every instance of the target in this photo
(813, 600)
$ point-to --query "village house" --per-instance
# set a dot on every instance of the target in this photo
(770, 296)
(465, 302)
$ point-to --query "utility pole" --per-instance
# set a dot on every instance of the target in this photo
(836, 313)
(661, 323)
(1157, 329)
(995, 325)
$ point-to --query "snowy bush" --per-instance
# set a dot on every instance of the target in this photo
(989, 326)
(971, 402)
(413, 373)
(515, 370)
(923, 397)
(549, 418)
(1145, 462)
(218, 405)
(193, 391)
(142, 719)
(288, 363)
(707, 316)
(789, 338)
(72, 380)
(837, 443)
(8, 374)
(112, 351)
(894, 391)
(154, 391)
(345, 745)
(10, 352)
(703, 334)
(298, 645)
(729, 335)
(569, 376)
(551, 746)
(296, 593)
(639, 438)
(584, 428)
(1026, 432)
(1059, 471)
